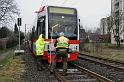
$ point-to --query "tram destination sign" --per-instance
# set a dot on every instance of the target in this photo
(61, 10)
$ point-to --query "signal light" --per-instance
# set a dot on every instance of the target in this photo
(19, 21)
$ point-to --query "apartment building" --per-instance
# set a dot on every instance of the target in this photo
(105, 25)
(117, 12)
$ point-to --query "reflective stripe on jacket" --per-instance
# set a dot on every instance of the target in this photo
(40, 46)
(62, 42)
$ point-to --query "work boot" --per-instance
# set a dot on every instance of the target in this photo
(64, 68)
(52, 66)
(51, 72)
(51, 69)
(39, 69)
(39, 66)
(64, 73)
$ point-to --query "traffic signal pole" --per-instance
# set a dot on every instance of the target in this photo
(19, 24)
(18, 51)
(25, 32)
(19, 37)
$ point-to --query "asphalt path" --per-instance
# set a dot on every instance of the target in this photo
(4, 55)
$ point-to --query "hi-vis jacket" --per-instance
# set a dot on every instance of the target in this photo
(40, 46)
(62, 42)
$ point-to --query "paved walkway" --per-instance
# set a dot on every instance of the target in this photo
(4, 55)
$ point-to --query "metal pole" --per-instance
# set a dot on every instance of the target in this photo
(51, 47)
(52, 42)
(19, 37)
(25, 32)
(122, 18)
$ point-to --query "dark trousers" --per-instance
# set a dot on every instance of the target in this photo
(39, 62)
(60, 53)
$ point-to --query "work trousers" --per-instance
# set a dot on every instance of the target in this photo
(39, 62)
(60, 53)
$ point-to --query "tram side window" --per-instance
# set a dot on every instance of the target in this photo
(41, 26)
(37, 32)
(38, 26)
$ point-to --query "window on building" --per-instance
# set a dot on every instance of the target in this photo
(117, 5)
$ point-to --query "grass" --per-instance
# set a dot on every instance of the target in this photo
(11, 70)
(108, 52)
(7, 60)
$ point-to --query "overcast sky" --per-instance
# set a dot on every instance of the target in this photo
(90, 11)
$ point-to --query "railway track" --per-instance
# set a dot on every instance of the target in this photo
(73, 74)
(109, 63)
(79, 74)
(107, 68)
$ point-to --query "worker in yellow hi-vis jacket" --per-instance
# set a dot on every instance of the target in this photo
(40, 51)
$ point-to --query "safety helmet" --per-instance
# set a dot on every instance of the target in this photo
(41, 36)
(61, 34)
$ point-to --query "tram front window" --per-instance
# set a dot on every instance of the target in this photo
(69, 27)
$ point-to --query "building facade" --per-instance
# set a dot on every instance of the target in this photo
(105, 26)
(117, 14)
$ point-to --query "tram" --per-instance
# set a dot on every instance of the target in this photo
(50, 21)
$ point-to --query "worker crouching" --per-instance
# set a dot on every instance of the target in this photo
(61, 52)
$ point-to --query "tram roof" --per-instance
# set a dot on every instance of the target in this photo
(41, 9)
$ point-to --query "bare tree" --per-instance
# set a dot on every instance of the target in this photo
(8, 10)
(98, 31)
(116, 19)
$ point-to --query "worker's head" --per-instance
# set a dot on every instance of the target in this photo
(41, 36)
(61, 34)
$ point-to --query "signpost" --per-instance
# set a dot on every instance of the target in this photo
(19, 24)
(19, 51)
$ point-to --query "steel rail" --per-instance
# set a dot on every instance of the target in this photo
(59, 76)
(93, 74)
(103, 63)
(102, 58)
